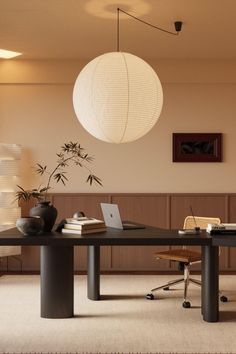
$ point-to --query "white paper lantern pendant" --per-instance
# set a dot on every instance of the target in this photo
(118, 97)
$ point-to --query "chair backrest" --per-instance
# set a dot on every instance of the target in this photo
(201, 222)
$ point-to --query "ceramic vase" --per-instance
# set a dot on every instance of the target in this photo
(47, 212)
(30, 225)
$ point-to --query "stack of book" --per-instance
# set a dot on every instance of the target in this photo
(83, 226)
(214, 229)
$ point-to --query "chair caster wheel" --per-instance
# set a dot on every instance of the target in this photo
(223, 299)
(166, 288)
(186, 304)
(150, 297)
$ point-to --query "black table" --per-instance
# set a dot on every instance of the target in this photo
(224, 240)
(57, 269)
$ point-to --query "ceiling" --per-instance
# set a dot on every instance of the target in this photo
(83, 29)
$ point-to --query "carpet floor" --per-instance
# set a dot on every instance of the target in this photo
(122, 322)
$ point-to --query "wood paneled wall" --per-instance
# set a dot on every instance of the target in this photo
(162, 210)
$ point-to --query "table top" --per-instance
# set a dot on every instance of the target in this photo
(224, 240)
(148, 236)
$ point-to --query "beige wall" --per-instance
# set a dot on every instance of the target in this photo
(199, 96)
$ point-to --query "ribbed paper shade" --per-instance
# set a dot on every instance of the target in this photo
(9, 165)
(8, 198)
(9, 210)
(10, 151)
(8, 216)
(7, 251)
(8, 184)
(117, 97)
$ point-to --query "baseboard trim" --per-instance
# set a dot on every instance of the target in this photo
(118, 272)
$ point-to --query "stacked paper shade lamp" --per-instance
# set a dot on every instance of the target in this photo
(9, 209)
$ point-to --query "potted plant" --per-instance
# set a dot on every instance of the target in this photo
(70, 153)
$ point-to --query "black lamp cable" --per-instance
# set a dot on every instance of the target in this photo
(178, 26)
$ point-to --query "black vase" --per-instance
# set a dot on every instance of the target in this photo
(47, 212)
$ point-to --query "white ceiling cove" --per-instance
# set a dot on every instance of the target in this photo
(83, 29)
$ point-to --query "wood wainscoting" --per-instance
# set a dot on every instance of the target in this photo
(156, 209)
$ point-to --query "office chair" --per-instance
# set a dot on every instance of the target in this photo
(186, 258)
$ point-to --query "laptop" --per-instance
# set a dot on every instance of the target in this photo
(112, 218)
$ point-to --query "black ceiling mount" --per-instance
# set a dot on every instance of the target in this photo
(178, 26)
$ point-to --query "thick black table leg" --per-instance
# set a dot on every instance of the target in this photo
(210, 289)
(93, 278)
(203, 280)
(57, 281)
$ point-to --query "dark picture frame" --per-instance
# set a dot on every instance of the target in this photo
(197, 147)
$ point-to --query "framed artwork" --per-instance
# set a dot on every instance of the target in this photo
(197, 147)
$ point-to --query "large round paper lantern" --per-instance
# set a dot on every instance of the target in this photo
(117, 97)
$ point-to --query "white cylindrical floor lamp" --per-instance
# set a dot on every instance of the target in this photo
(9, 209)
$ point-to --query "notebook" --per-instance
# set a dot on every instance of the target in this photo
(112, 218)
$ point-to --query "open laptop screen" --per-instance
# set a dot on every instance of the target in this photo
(112, 218)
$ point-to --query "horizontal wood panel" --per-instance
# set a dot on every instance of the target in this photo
(67, 205)
(156, 209)
(80, 258)
(231, 260)
(137, 258)
(31, 258)
(149, 210)
(12, 263)
(202, 205)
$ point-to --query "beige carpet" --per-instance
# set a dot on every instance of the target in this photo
(123, 322)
